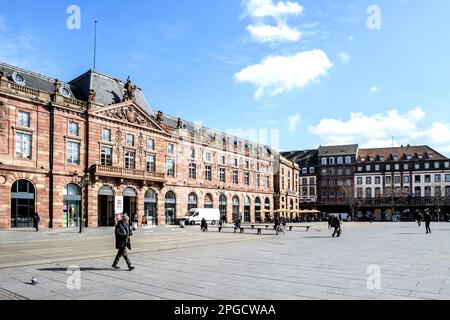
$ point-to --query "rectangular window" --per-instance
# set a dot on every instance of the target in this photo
(222, 175)
(151, 163)
(208, 157)
(388, 179)
(235, 177)
(208, 175)
(247, 164)
(437, 165)
(130, 140)
(235, 162)
(388, 167)
(170, 149)
(368, 168)
(170, 165)
(311, 170)
(106, 156)
(312, 191)
(397, 167)
(397, 179)
(360, 169)
(222, 161)
(437, 191)
(106, 135)
(130, 159)
(258, 184)
(150, 144)
(304, 181)
(427, 178)
(437, 178)
(247, 178)
(192, 171)
(417, 179)
(267, 181)
(312, 181)
(73, 129)
(377, 180)
(377, 167)
(417, 166)
(427, 165)
(427, 191)
(73, 152)
(359, 181)
(23, 146)
(257, 166)
(447, 165)
(405, 179)
(369, 180)
(24, 119)
(447, 178)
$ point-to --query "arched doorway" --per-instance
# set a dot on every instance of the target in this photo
(192, 201)
(223, 205)
(22, 204)
(257, 209)
(71, 206)
(247, 205)
(106, 216)
(170, 207)
(235, 204)
(208, 201)
(150, 210)
(267, 208)
(129, 203)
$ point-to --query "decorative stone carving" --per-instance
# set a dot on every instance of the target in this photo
(179, 123)
(119, 138)
(58, 86)
(141, 148)
(4, 117)
(129, 91)
(3, 74)
(129, 114)
(159, 116)
(2, 180)
(92, 95)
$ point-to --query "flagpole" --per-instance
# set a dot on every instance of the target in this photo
(95, 42)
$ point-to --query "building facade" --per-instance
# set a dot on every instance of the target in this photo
(394, 183)
(93, 146)
(287, 190)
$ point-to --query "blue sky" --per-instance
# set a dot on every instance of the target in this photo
(312, 70)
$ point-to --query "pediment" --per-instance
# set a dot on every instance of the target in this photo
(128, 112)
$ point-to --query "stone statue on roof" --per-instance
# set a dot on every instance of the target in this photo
(129, 91)
(57, 85)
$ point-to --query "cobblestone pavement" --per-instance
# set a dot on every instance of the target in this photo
(174, 263)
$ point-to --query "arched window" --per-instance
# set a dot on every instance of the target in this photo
(223, 205)
(348, 160)
(247, 203)
(150, 208)
(324, 161)
(22, 204)
(208, 201)
(331, 161)
(235, 204)
(257, 209)
(170, 207)
(340, 160)
(192, 201)
(71, 206)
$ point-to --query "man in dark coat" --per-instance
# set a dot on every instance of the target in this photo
(36, 221)
(337, 227)
(123, 234)
(427, 219)
(204, 225)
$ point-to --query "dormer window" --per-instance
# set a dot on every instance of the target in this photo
(65, 91)
(331, 161)
(18, 78)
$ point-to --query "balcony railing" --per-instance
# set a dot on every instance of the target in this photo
(118, 172)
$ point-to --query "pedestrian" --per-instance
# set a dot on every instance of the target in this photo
(224, 219)
(418, 219)
(337, 227)
(340, 217)
(204, 225)
(427, 219)
(237, 224)
(123, 233)
(36, 221)
(330, 221)
(144, 221)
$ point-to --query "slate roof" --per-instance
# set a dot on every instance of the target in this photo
(344, 150)
(401, 153)
(37, 81)
(304, 158)
(108, 90)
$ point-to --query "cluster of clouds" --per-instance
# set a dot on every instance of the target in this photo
(278, 74)
(383, 129)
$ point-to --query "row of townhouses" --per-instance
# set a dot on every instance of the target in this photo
(73, 149)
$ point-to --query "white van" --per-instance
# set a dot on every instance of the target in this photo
(195, 216)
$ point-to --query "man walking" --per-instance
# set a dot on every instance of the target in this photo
(427, 219)
(337, 227)
(36, 221)
(123, 234)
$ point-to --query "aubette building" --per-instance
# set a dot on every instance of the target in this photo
(84, 144)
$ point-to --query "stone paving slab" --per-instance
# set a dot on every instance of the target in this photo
(185, 264)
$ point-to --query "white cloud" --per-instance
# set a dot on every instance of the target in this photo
(345, 57)
(377, 130)
(272, 122)
(293, 122)
(279, 74)
(266, 33)
(267, 8)
(373, 89)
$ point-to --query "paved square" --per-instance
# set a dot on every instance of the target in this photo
(174, 263)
